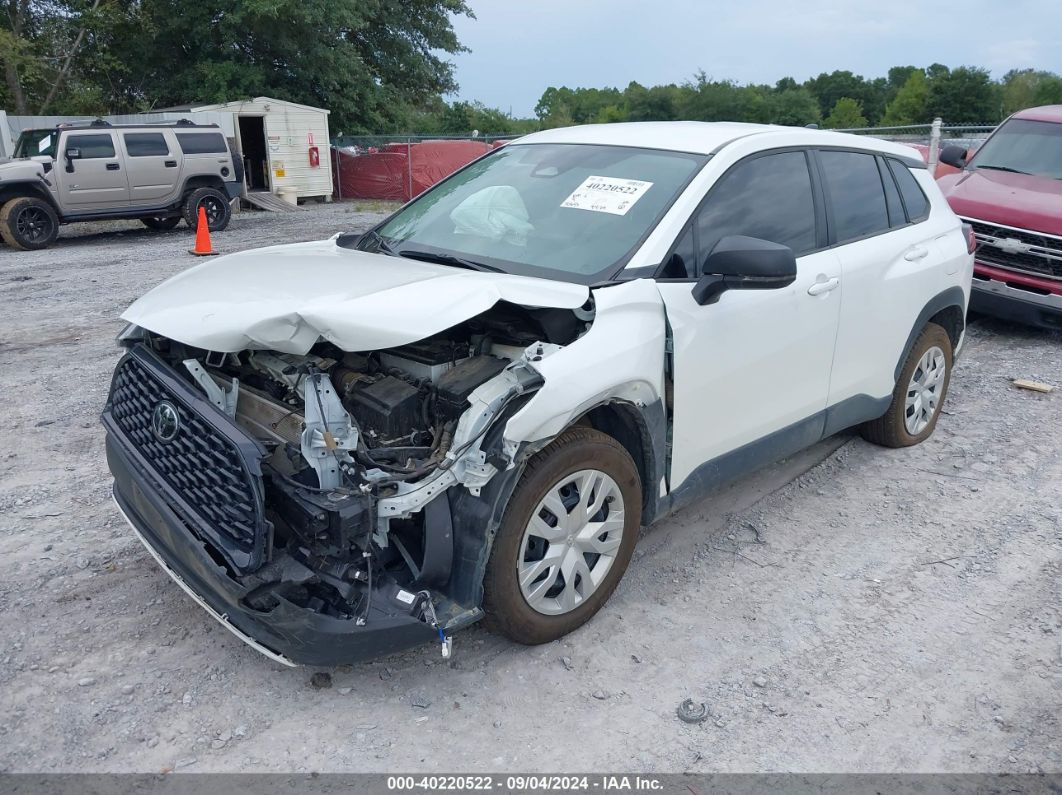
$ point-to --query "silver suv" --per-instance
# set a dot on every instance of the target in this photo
(91, 171)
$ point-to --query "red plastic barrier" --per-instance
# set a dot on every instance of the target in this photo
(400, 171)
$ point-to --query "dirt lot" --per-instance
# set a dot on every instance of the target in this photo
(854, 609)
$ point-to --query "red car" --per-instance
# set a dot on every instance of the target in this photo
(1010, 192)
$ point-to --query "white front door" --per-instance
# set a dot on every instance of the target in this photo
(754, 366)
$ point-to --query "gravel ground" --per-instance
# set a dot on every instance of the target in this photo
(852, 609)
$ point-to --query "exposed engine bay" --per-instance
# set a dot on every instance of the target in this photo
(358, 449)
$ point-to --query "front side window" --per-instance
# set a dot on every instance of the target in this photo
(1023, 146)
(574, 212)
(146, 144)
(91, 147)
(769, 197)
(856, 194)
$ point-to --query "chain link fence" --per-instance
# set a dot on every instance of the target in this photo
(967, 135)
(367, 142)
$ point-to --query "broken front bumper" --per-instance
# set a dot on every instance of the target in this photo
(197, 501)
(287, 633)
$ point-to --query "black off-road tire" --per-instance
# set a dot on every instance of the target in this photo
(507, 611)
(28, 223)
(161, 224)
(890, 430)
(216, 204)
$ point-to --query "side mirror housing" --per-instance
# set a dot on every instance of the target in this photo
(72, 155)
(954, 156)
(744, 263)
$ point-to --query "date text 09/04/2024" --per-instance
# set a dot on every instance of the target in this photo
(511, 783)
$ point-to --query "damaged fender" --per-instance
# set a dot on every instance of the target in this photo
(611, 362)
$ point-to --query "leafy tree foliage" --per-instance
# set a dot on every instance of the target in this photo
(846, 114)
(965, 95)
(909, 104)
(368, 61)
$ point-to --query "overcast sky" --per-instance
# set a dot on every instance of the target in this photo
(519, 48)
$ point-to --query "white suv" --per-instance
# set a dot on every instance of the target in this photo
(347, 447)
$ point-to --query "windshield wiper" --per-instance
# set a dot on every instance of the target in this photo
(382, 245)
(447, 259)
(1005, 168)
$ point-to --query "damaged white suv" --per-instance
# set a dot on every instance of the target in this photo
(348, 447)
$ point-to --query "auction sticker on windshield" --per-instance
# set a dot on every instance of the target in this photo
(607, 195)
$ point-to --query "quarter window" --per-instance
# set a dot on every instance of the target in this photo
(91, 147)
(897, 217)
(769, 197)
(856, 194)
(145, 144)
(202, 143)
(913, 198)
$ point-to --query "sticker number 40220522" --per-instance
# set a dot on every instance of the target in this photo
(607, 195)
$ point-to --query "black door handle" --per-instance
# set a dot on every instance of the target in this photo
(113, 167)
(170, 164)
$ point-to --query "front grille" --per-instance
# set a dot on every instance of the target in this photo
(203, 465)
(1018, 250)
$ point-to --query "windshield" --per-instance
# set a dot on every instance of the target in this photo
(572, 212)
(33, 143)
(1023, 146)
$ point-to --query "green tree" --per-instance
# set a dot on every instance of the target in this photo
(368, 62)
(794, 107)
(899, 75)
(847, 114)
(965, 95)
(1049, 90)
(909, 104)
(1027, 88)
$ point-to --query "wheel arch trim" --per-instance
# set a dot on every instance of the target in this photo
(945, 304)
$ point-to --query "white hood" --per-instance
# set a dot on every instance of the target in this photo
(284, 298)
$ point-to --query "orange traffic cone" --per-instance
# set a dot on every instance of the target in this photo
(202, 237)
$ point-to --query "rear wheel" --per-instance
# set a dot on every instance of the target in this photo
(919, 393)
(566, 539)
(161, 224)
(214, 203)
(28, 223)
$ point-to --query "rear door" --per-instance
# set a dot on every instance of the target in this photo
(154, 167)
(892, 265)
(91, 172)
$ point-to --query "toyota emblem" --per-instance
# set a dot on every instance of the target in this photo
(165, 421)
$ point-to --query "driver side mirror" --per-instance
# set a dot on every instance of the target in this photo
(954, 156)
(744, 263)
(71, 156)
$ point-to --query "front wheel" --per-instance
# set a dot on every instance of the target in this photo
(566, 538)
(213, 202)
(28, 223)
(919, 393)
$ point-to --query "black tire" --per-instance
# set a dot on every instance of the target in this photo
(507, 610)
(214, 202)
(890, 430)
(28, 223)
(161, 224)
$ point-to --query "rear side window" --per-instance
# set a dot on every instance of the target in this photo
(856, 194)
(145, 144)
(92, 146)
(202, 143)
(913, 198)
(769, 197)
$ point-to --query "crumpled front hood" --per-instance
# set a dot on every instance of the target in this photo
(284, 298)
